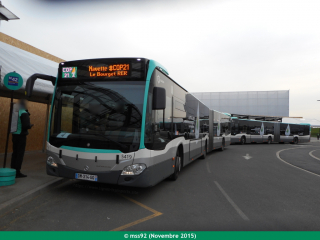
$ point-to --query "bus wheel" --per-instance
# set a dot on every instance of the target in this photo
(269, 140)
(204, 152)
(295, 140)
(243, 141)
(177, 167)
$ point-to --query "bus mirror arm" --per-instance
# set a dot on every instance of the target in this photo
(33, 78)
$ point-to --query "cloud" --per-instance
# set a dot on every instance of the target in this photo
(205, 45)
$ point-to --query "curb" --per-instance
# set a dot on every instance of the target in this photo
(25, 197)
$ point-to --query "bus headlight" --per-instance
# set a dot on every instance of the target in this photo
(51, 162)
(134, 169)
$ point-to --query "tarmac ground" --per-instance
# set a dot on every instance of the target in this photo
(275, 189)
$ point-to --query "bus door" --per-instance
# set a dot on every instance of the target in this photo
(276, 132)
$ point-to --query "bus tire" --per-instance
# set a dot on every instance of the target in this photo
(243, 140)
(177, 166)
(204, 155)
(295, 140)
(269, 140)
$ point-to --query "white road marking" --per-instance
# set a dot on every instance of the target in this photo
(244, 217)
(310, 153)
(278, 156)
(208, 168)
(247, 156)
(19, 199)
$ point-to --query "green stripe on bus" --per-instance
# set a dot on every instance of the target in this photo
(90, 150)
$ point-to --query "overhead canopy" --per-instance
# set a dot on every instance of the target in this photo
(312, 122)
(26, 64)
(257, 117)
(6, 14)
(293, 120)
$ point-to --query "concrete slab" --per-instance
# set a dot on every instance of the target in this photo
(34, 165)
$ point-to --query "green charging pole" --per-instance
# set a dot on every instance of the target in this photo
(13, 81)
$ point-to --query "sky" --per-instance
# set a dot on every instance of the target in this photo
(207, 46)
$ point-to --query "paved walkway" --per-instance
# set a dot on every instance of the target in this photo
(34, 165)
(314, 139)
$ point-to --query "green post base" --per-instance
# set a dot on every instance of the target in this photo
(7, 176)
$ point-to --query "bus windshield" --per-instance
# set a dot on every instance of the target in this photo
(98, 115)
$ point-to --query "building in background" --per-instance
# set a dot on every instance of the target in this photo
(264, 103)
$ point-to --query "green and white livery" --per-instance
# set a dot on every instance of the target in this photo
(125, 121)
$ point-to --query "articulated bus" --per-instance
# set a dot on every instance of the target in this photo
(249, 131)
(125, 121)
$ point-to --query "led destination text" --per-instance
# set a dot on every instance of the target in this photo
(115, 70)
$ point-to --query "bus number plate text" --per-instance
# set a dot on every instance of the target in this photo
(128, 156)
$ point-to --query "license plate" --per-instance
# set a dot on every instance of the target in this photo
(87, 177)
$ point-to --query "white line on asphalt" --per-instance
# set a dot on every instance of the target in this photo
(24, 195)
(278, 156)
(232, 202)
(247, 156)
(208, 168)
(310, 153)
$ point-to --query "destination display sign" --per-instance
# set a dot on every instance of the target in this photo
(96, 71)
(102, 69)
(114, 70)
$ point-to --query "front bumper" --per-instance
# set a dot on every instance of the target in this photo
(110, 177)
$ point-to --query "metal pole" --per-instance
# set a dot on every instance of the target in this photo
(8, 132)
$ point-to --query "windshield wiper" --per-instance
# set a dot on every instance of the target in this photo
(104, 136)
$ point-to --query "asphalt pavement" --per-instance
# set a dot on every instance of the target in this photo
(245, 187)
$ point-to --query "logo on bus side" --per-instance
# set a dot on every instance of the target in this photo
(197, 128)
(218, 129)
(262, 129)
(287, 133)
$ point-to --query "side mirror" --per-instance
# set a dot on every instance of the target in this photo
(159, 98)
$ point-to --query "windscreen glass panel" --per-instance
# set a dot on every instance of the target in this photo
(98, 115)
